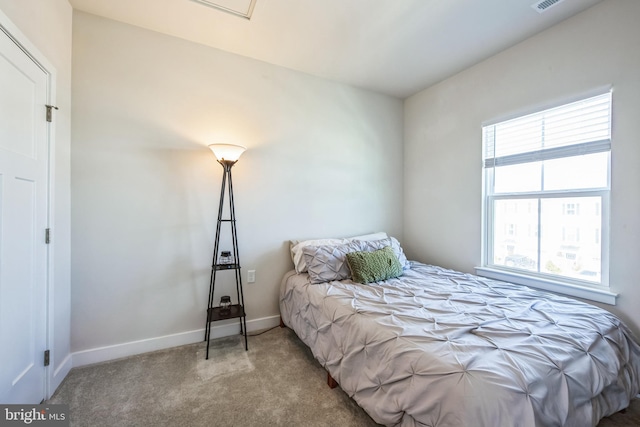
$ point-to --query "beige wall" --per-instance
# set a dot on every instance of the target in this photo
(323, 159)
(47, 25)
(443, 158)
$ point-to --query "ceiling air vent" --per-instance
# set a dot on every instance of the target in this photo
(543, 5)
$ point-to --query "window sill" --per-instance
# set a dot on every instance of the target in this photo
(585, 292)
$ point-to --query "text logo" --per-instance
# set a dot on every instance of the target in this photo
(34, 415)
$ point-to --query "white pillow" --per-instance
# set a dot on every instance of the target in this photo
(296, 246)
(368, 237)
(297, 255)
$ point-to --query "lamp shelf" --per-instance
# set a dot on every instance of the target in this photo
(226, 267)
(215, 313)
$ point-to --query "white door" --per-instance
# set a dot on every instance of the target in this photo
(23, 220)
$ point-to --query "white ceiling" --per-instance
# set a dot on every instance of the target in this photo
(396, 47)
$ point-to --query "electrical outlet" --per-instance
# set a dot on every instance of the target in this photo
(251, 276)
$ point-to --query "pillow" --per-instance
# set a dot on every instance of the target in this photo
(297, 245)
(367, 267)
(397, 249)
(296, 250)
(329, 262)
(373, 236)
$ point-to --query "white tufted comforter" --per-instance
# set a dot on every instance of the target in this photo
(437, 347)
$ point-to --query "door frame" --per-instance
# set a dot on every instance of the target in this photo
(13, 32)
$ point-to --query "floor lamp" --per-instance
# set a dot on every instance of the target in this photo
(227, 155)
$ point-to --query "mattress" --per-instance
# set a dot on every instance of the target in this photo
(437, 347)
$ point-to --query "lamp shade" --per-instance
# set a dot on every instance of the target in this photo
(227, 152)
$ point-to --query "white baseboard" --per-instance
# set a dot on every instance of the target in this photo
(103, 354)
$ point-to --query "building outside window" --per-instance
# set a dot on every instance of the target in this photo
(570, 208)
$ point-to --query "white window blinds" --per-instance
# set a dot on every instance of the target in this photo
(582, 127)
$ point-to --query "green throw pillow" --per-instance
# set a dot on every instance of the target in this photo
(374, 266)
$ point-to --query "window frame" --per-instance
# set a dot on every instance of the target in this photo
(571, 286)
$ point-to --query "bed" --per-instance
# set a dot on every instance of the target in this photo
(436, 347)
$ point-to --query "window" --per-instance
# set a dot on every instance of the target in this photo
(549, 172)
(570, 208)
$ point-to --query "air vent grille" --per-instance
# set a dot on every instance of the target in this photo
(543, 5)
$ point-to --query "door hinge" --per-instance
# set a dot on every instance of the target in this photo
(47, 355)
(49, 107)
(47, 236)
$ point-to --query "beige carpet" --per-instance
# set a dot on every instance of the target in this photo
(276, 383)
